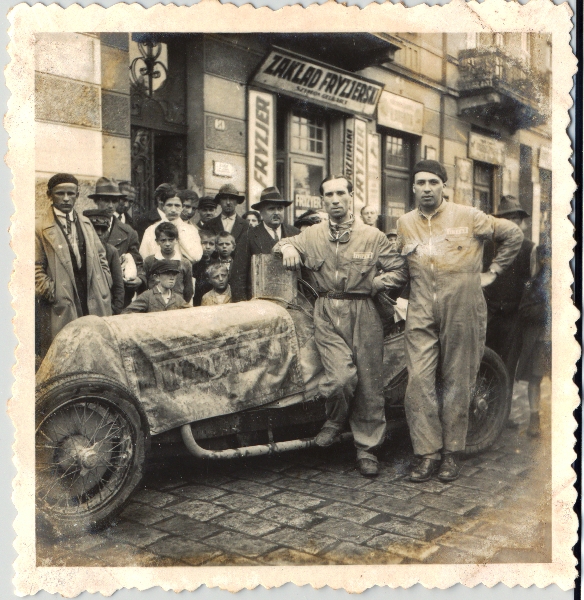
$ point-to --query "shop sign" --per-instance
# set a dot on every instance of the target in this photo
(545, 158)
(298, 76)
(400, 113)
(360, 166)
(463, 190)
(373, 171)
(306, 201)
(261, 166)
(486, 149)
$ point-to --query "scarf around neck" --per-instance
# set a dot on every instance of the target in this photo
(341, 232)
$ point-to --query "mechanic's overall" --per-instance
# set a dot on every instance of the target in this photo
(345, 256)
(447, 314)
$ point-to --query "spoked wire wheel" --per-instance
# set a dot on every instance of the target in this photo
(90, 451)
(490, 404)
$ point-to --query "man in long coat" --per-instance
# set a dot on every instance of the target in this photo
(228, 197)
(72, 277)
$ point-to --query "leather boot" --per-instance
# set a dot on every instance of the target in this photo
(368, 467)
(425, 470)
(327, 437)
(449, 469)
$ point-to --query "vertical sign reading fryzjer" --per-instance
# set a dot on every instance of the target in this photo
(260, 138)
(359, 165)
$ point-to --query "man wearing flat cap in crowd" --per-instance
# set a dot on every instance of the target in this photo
(447, 314)
(228, 198)
(272, 228)
(207, 208)
(121, 236)
(72, 277)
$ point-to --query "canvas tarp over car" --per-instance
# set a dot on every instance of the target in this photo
(190, 364)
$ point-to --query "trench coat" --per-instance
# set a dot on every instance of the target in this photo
(57, 299)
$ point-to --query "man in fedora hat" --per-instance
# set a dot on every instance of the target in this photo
(447, 315)
(120, 235)
(503, 296)
(72, 277)
(272, 228)
(228, 198)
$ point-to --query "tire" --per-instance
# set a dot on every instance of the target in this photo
(91, 440)
(490, 404)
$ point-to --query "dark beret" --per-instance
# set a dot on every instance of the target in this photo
(59, 178)
(431, 166)
(207, 201)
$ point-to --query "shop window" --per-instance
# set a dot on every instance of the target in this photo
(483, 186)
(307, 135)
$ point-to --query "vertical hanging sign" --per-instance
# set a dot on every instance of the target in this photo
(260, 139)
(360, 166)
(373, 171)
(349, 147)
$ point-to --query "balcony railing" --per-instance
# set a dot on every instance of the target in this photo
(512, 91)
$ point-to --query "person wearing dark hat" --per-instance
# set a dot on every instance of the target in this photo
(72, 277)
(121, 236)
(252, 217)
(272, 229)
(161, 193)
(162, 296)
(307, 219)
(447, 314)
(207, 210)
(100, 219)
(344, 256)
(126, 203)
(503, 296)
(228, 198)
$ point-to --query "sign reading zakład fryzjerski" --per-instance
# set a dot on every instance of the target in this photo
(260, 143)
(303, 78)
(486, 149)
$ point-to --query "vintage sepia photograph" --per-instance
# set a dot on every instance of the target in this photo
(352, 235)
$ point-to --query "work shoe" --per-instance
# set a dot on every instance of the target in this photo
(327, 437)
(368, 467)
(424, 470)
(533, 429)
(449, 469)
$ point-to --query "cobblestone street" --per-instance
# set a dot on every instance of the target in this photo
(313, 507)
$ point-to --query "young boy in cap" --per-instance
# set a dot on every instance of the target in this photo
(100, 219)
(218, 275)
(206, 209)
(202, 282)
(161, 297)
(166, 235)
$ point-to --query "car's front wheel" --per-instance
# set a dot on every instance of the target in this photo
(91, 442)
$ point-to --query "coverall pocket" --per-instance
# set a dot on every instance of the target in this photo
(313, 263)
(361, 268)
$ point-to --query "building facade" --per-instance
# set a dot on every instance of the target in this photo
(254, 110)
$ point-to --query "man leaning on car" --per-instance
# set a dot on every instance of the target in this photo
(345, 256)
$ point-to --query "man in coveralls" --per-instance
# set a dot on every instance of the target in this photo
(447, 314)
(345, 256)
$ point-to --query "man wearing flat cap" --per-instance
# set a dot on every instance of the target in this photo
(207, 209)
(272, 228)
(503, 296)
(447, 314)
(72, 277)
(228, 198)
(121, 236)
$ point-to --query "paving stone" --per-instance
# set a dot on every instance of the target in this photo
(395, 491)
(408, 528)
(332, 492)
(196, 509)
(448, 503)
(251, 525)
(483, 499)
(296, 500)
(199, 492)
(394, 506)
(233, 541)
(340, 510)
(511, 469)
(286, 515)
(304, 541)
(182, 525)
(289, 556)
(439, 517)
(344, 530)
(449, 556)
(298, 485)
(348, 481)
(186, 550)
(403, 546)
(144, 514)
(84, 542)
(248, 504)
(257, 475)
(347, 553)
(302, 472)
(468, 543)
(483, 485)
(249, 488)
(433, 486)
(154, 498)
(137, 535)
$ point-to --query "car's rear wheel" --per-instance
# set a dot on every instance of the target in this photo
(490, 404)
(91, 444)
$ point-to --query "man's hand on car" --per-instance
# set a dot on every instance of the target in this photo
(291, 258)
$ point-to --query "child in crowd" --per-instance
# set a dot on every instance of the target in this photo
(161, 297)
(189, 243)
(202, 282)
(535, 318)
(166, 235)
(225, 244)
(218, 275)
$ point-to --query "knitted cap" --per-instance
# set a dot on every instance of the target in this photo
(431, 166)
(59, 178)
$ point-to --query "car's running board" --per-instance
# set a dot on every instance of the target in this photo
(245, 451)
